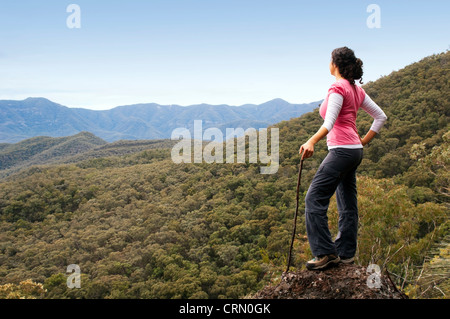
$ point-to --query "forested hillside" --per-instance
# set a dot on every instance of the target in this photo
(140, 226)
(417, 102)
(40, 150)
(46, 150)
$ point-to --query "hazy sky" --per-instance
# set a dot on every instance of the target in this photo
(196, 51)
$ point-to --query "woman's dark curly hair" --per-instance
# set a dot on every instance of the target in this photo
(350, 67)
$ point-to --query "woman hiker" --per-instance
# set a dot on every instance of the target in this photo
(337, 172)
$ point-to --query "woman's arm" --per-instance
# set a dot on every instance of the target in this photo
(308, 148)
(369, 136)
(379, 119)
(334, 107)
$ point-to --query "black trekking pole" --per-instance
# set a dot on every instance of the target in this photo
(295, 216)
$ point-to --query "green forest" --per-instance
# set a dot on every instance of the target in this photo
(140, 226)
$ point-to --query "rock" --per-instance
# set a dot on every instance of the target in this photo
(339, 282)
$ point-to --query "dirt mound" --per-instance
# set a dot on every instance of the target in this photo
(339, 282)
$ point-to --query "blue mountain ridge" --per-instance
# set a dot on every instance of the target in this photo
(33, 117)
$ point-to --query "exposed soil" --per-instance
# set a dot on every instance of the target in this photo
(339, 282)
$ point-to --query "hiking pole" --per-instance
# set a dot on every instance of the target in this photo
(295, 216)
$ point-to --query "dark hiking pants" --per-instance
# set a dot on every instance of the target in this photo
(337, 173)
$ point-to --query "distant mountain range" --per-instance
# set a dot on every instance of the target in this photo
(20, 120)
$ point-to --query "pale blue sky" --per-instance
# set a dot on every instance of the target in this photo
(196, 51)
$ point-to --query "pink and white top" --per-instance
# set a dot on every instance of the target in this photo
(339, 111)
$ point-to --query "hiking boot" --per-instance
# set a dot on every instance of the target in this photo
(347, 260)
(322, 262)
